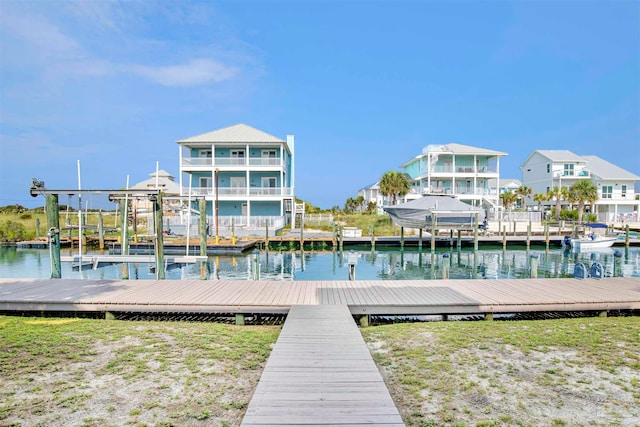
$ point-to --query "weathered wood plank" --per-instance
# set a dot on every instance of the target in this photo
(320, 372)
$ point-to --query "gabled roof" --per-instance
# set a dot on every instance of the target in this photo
(505, 182)
(374, 186)
(162, 174)
(165, 182)
(454, 148)
(606, 170)
(561, 155)
(239, 133)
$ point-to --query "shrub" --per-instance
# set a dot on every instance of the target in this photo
(11, 231)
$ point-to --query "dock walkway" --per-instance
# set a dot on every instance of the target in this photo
(320, 372)
(382, 297)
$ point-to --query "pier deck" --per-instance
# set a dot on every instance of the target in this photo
(389, 297)
(320, 372)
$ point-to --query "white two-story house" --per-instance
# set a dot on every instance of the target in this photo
(545, 169)
(248, 173)
(459, 170)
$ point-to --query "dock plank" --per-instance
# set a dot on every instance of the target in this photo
(320, 372)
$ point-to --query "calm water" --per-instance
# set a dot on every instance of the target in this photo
(378, 265)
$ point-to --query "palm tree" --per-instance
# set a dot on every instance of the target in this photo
(523, 192)
(508, 199)
(394, 184)
(558, 194)
(540, 198)
(583, 192)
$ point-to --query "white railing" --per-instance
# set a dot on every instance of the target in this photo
(255, 225)
(231, 161)
(318, 218)
(242, 191)
(197, 161)
(265, 161)
(508, 216)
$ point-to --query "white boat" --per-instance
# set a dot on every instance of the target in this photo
(593, 242)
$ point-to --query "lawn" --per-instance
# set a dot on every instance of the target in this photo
(77, 372)
(571, 372)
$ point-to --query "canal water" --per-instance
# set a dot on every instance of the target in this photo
(370, 265)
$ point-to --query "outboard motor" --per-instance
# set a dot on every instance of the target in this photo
(597, 272)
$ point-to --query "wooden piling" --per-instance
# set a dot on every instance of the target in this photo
(546, 235)
(301, 231)
(445, 266)
(459, 243)
(159, 240)
(504, 237)
(488, 317)
(514, 227)
(433, 232)
(202, 207)
(266, 234)
(100, 231)
(626, 236)
(37, 228)
(420, 240)
(373, 239)
(529, 235)
(475, 232)
(534, 266)
(53, 225)
(401, 238)
(364, 321)
(240, 319)
(124, 239)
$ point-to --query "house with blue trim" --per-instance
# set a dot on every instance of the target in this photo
(247, 173)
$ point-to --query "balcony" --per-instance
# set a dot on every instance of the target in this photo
(208, 162)
(225, 192)
(464, 170)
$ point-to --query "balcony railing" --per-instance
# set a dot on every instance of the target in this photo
(462, 170)
(242, 191)
(461, 190)
(231, 161)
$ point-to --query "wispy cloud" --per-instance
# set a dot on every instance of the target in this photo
(194, 72)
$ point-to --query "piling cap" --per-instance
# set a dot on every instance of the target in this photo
(534, 255)
(445, 255)
(617, 254)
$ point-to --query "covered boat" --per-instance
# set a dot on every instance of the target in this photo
(449, 213)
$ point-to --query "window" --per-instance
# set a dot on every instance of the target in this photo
(206, 182)
(205, 153)
(268, 182)
(237, 154)
(624, 191)
(269, 153)
(548, 167)
(568, 169)
(237, 182)
(607, 190)
(548, 189)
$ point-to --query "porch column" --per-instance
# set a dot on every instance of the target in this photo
(248, 213)
(180, 168)
(475, 175)
(429, 172)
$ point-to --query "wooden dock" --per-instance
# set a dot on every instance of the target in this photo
(320, 372)
(388, 297)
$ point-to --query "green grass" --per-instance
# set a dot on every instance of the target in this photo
(182, 372)
(477, 373)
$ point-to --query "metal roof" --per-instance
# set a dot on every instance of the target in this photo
(454, 148)
(606, 170)
(239, 133)
(561, 156)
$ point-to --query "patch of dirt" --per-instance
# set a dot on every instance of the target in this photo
(501, 386)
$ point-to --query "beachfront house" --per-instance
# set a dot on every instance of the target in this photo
(617, 201)
(372, 193)
(246, 172)
(458, 170)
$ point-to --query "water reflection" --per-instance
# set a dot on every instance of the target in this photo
(382, 264)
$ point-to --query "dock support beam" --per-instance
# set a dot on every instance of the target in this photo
(53, 225)
(240, 319)
(157, 215)
(364, 321)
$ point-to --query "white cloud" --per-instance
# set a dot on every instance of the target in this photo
(195, 72)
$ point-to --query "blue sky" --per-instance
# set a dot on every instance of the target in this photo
(363, 86)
